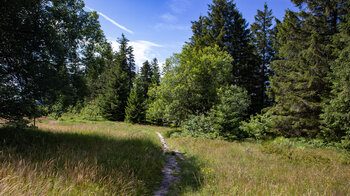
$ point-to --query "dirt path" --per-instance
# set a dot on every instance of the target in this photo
(169, 170)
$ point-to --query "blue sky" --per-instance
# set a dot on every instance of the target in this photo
(159, 28)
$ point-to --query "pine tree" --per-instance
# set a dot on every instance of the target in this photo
(224, 26)
(262, 37)
(300, 84)
(117, 80)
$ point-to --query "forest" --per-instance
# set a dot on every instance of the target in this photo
(231, 81)
(245, 109)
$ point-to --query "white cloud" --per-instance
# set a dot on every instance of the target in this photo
(143, 50)
(112, 21)
(171, 27)
(168, 17)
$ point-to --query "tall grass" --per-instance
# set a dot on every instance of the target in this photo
(80, 159)
(228, 168)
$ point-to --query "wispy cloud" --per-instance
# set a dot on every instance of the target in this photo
(112, 21)
(179, 6)
(163, 26)
(143, 50)
(168, 17)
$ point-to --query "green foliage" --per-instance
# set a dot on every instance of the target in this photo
(91, 111)
(259, 126)
(229, 113)
(41, 58)
(336, 114)
(225, 27)
(135, 111)
(156, 109)
(263, 38)
(117, 83)
(199, 126)
(300, 86)
(189, 85)
(155, 77)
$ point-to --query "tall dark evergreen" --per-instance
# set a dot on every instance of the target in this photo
(262, 37)
(146, 74)
(138, 98)
(117, 82)
(155, 72)
(300, 86)
(125, 58)
(224, 26)
(336, 115)
(135, 112)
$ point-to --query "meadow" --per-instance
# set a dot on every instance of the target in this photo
(273, 168)
(67, 158)
(108, 158)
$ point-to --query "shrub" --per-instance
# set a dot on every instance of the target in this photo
(259, 126)
(91, 111)
(199, 126)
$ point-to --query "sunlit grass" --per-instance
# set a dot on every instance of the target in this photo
(62, 158)
(225, 168)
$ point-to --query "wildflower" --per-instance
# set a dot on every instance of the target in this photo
(8, 175)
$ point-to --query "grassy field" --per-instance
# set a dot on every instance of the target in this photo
(104, 158)
(62, 158)
(226, 168)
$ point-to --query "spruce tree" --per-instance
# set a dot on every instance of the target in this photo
(135, 111)
(300, 85)
(336, 115)
(117, 80)
(155, 72)
(224, 26)
(146, 74)
(262, 37)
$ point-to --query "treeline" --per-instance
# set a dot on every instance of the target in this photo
(273, 78)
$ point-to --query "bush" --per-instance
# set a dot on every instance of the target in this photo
(258, 126)
(91, 111)
(199, 126)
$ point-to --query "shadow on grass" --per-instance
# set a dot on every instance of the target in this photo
(126, 165)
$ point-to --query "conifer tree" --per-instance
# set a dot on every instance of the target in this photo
(262, 37)
(146, 74)
(336, 115)
(155, 72)
(135, 111)
(224, 26)
(117, 80)
(300, 85)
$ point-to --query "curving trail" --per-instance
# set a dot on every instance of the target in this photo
(169, 170)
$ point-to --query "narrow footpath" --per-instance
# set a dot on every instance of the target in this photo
(171, 170)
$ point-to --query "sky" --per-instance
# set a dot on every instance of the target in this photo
(159, 28)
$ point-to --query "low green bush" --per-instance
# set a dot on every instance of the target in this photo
(199, 126)
(258, 127)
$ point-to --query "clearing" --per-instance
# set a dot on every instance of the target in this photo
(105, 158)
